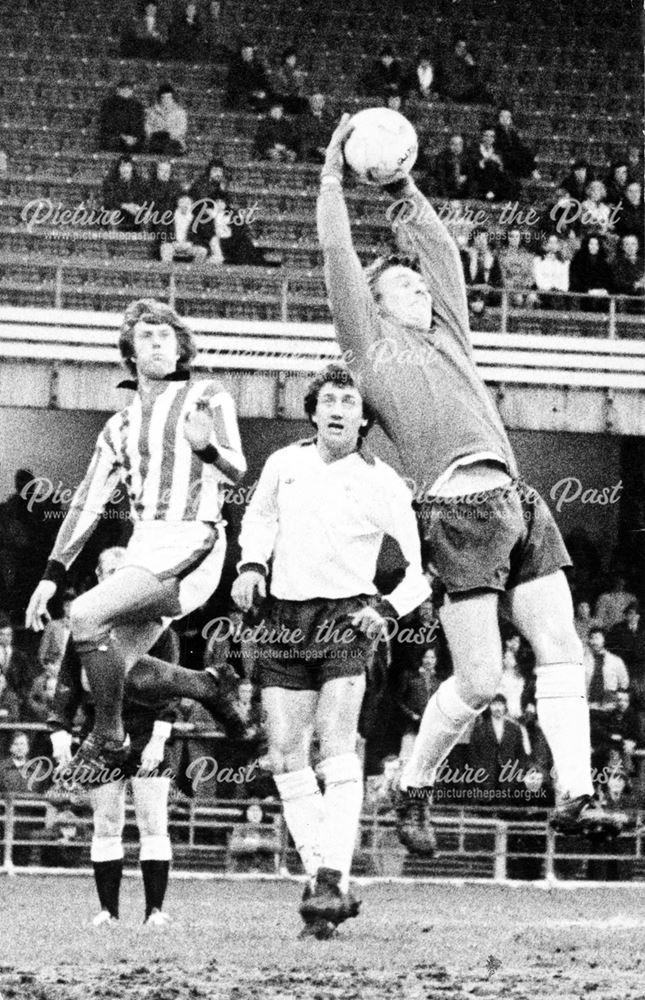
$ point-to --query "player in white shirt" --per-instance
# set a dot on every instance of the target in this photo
(319, 512)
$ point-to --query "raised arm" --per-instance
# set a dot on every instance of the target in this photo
(213, 433)
(257, 537)
(352, 305)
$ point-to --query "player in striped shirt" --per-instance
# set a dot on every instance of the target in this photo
(492, 539)
(176, 446)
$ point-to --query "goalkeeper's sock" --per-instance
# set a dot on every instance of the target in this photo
(104, 666)
(302, 806)
(107, 875)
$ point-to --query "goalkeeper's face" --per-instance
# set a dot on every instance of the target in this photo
(402, 294)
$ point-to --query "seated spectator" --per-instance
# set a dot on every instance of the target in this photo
(622, 725)
(144, 37)
(123, 195)
(631, 219)
(481, 266)
(576, 181)
(516, 263)
(385, 76)
(122, 121)
(188, 238)
(186, 39)
(488, 179)
(421, 82)
(41, 694)
(161, 194)
(551, 274)
(596, 213)
(459, 76)
(628, 270)
(512, 684)
(451, 170)
(210, 192)
(612, 604)
(166, 124)
(314, 129)
(617, 181)
(289, 84)
(517, 158)
(247, 83)
(275, 139)
(590, 273)
(9, 711)
(605, 673)
(627, 640)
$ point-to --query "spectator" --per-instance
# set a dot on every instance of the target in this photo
(290, 83)
(186, 35)
(551, 273)
(4, 164)
(590, 273)
(482, 266)
(23, 543)
(535, 741)
(232, 228)
(144, 37)
(18, 670)
(421, 82)
(459, 77)
(275, 139)
(188, 238)
(41, 693)
(623, 725)
(631, 221)
(385, 76)
(516, 264)
(496, 746)
(634, 160)
(56, 634)
(9, 711)
(605, 673)
(517, 158)
(576, 181)
(166, 124)
(314, 129)
(612, 604)
(596, 213)
(161, 194)
(627, 640)
(627, 269)
(617, 181)
(124, 196)
(512, 684)
(247, 84)
(451, 170)
(488, 179)
(122, 121)
(15, 779)
(584, 622)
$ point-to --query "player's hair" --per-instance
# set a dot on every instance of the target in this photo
(152, 311)
(377, 268)
(339, 375)
(165, 88)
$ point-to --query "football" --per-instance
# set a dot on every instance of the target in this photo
(382, 146)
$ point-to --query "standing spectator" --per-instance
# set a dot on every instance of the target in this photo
(9, 711)
(516, 264)
(496, 744)
(596, 213)
(451, 170)
(551, 273)
(576, 181)
(617, 180)
(23, 541)
(612, 604)
(122, 121)
(631, 221)
(247, 83)
(186, 35)
(421, 82)
(144, 37)
(275, 139)
(166, 124)
(628, 269)
(210, 192)
(590, 273)
(314, 128)
(584, 622)
(488, 179)
(56, 634)
(18, 670)
(517, 158)
(290, 83)
(460, 78)
(385, 76)
(482, 266)
(605, 673)
(123, 195)
(627, 640)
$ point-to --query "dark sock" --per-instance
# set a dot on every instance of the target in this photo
(105, 669)
(155, 883)
(151, 681)
(107, 875)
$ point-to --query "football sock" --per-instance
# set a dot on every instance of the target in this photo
(302, 805)
(155, 883)
(151, 681)
(105, 669)
(107, 875)
(563, 715)
(446, 717)
(342, 803)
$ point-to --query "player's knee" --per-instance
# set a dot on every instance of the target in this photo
(85, 622)
(479, 687)
(284, 759)
(556, 642)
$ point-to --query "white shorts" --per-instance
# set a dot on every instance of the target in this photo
(189, 552)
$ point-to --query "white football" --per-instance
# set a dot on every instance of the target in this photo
(383, 146)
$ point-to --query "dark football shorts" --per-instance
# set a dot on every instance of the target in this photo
(312, 642)
(493, 540)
